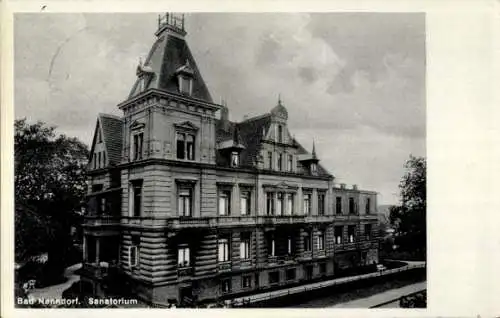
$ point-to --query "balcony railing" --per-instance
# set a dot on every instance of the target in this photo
(101, 220)
(320, 253)
(98, 270)
(185, 271)
(224, 266)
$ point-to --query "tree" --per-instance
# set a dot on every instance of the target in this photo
(410, 216)
(49, 190)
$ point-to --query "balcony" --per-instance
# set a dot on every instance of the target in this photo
(246, 263)
(306, 255)
(185, 271)
(280, 219)
(224, 266)
(98, 271)
(320, 254)
(100, 220)
(345, 247)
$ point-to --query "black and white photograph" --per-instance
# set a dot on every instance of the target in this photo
(220, 160)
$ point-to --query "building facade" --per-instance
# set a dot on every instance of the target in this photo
(190, 206)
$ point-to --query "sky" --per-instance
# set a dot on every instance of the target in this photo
(352, 82)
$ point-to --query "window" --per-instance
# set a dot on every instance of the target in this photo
(290, 245)
(351, 206)
(183, 256)
(133, 251)
(321, 241)
(99, 137)
(137, 148)
(290, 163)
(321, 203)
(102, 205)
(368, 231)
(271, 248)
(307, 242)
(289, 204)
(338, 205)
(185, 85)
(269, 160)
(270, 203)
(280, 204)
(314, 168)
(367, 207)
(245, 202)
(224, 202)
(235, 159)
(338, 234)
(322, 268)
(351, 229)
(97, 187)
(245, 246)
(223, 249)
(246, 281)
(274, 277)
(185, 146)
(94, 160)
(280, 162)
(136, 197)
(99, 159)
(226, 286)
(280, 133)
(104, 158)
(307, 203)
(185, 201)
(290, 274)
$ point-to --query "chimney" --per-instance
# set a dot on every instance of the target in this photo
(342, 185)
(355, 187)
(224, 116)
(245, 117)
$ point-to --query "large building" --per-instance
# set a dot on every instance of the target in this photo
(190, 206)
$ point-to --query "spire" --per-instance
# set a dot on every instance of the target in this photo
(314, 150)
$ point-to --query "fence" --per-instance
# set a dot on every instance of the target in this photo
(303, 289)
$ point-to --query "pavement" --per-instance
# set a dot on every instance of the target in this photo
(383, 297)
(55, 291)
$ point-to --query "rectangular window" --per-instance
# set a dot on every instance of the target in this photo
(185, 146)
(183, 258)
(290, 163)
(321, 241)
(133, 251)
(246, 281)
(338, 234)
(97, 187)
(102, 205)
(223, 249)
(321, 203)
(307, 203)
(290, 274)
(271, 247)
(322, 268)
(338, 205)
(235, 159)
(185, 201)
(226, 286)
(351, 206)
(99, 159)
(245, 202)
(351, 232)
(94, 160)
(269, 160)
(245, 246)
(185, 85)
(280, 133)
(138, 142)
(280, 204)
(289, 246)
(289, 204)
(104, 158)
(280, 162)
(270, 203)
(368, 231)
(367, 207)
(224, 202)
(274, 277)
(307, 242)
(136, 193)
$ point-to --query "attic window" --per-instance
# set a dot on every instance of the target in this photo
(235, 159)
(185, 84)
(314, 168)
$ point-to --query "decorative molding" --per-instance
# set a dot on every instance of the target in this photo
(187, 125)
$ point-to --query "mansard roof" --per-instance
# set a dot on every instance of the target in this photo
(170, 55)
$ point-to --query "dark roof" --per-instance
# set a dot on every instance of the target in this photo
(168, 54)
(112, 135)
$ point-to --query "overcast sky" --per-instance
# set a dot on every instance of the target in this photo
(354, 82)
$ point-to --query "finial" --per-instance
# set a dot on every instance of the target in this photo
(314, 150)
(279, 99)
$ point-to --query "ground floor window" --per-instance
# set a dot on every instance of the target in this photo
(274, 277)
(322, 268)
(226, 286)
(291, 274)
(183, 256)
(246, 281)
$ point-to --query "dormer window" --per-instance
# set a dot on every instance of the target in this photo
(314, 168)
(185, 84)
(235, 159)
(280, 133)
